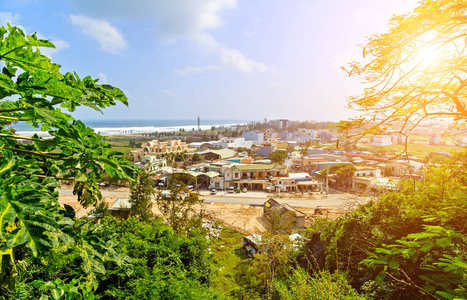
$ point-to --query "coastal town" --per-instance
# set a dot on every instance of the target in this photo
(299, 169)
(328, 160)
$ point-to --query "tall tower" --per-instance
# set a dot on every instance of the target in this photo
(199, 128)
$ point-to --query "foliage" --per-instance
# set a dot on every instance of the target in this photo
(415, 71)
(178, 208)
(141, 197)
(59, 289)
(166, 265)
(344, 172)
(413, 240)
(302, 286)
(33, 90)
(278, 156)
(276, 223)
(275, 259)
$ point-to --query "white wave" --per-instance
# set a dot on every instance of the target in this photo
(105, 131)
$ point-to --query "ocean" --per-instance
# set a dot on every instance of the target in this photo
(127, 127)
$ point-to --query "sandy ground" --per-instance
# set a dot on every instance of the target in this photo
(245, 218)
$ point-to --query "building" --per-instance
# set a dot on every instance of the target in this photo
(282, 123)
(286, 136)
(284, 211)
(151, 164)
(202, 136)
(435, 139)
(217, 154)
(265, 151)
(368, 172)
(255, 136)
(314, 151)
(382, 140)
(252, 176)
(303, 134)
(229, 142)
(405, 168)
(157, 148)
(296, 182)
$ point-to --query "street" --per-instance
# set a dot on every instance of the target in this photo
(335, 199)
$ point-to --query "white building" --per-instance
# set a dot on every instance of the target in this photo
(382, 140)
(255, 136)
(303, 134)
(228, 142)
(368, 172)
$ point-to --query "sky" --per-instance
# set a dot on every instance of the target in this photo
(216, 59)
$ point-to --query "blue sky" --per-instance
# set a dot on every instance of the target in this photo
(217, 59)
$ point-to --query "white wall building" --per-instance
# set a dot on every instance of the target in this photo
(382, 140)
(228, 142)
(255, 136)
(303, 134)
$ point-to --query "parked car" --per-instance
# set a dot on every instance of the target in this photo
(231, 190)
(244, 190)
(213, 191)
(238, 190)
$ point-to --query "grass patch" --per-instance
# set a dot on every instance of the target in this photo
(227, 254)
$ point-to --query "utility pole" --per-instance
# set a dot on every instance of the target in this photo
(327, 181)
(199, 128)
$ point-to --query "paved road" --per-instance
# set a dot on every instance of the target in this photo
(252, 198)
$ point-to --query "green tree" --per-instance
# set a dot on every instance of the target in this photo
(32, 90)
(278, 156)
(344, 172)
(415, 71)
(141, 197)
(178, 208)
(275, 259)
(277, 223)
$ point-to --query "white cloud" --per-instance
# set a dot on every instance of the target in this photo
(170, 93)
(13, 20)
(109, 37)
(103, 78)
(9, 18)
(180, 19)
(196, 70)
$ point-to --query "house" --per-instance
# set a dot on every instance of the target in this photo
(296, 182)
(217, 154)
(121, 209)
(252, 176)
(367, 172)
(230, 142)
(217, 183)
(285, 212)
(151, 164)
(286, 136)
(255, 136)
(270, 135)
(303, 134)
(382, 140)
(265, 151)
(377, 183)
(327, 136)
(405, 168)
(435, 139)
(157, 148)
